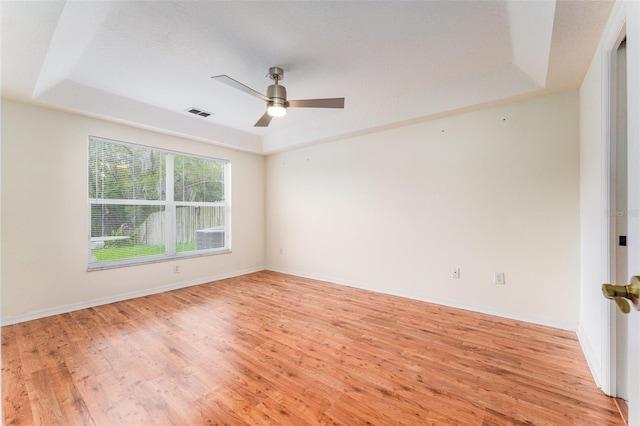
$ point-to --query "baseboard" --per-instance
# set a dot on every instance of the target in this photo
(120, 297)
(467, 307)
(132, 295)
(590, 355)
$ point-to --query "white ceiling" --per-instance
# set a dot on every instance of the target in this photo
(395, 62)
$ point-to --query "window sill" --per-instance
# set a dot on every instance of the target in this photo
(153, 259)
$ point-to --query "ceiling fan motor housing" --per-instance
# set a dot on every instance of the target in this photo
(277, 94)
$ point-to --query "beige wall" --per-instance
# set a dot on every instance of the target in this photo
(393, 211)
(44, 215)
(486, 191)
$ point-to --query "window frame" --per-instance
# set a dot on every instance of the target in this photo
(170, 206)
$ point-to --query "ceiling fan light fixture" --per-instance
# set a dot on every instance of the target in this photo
(276, 110)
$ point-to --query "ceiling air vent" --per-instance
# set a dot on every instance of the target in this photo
(199, 112)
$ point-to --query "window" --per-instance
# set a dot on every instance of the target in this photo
(147, 204)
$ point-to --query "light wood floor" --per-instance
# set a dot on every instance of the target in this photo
(268, 348)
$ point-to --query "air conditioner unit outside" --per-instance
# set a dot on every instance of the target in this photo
(210, 238)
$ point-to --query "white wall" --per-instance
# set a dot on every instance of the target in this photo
(489, 190)
(593, 206)
(44, 215)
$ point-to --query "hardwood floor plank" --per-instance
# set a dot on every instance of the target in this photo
(210, 411)
(30, 358)
(120, 400)
(274, 349)
(50, 396)
(102, 405)
(15, 397)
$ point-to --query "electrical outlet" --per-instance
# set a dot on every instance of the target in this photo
(176, 269)
(455, 272)
(281, 251)
(498, 278)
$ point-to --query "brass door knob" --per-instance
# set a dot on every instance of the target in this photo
(622, 293)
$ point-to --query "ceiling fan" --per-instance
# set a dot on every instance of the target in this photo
(276, 98)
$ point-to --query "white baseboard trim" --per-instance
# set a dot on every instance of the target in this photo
(590, 355)
(120, 297)
(141, 293)
(480, 309)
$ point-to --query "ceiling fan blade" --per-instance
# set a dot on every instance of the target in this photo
(318, 103)
(237, 85)
(264, 120)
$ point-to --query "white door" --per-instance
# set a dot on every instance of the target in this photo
(624, 162)
(633, 200)
(618, 200)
